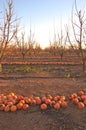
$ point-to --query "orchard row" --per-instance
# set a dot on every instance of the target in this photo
(13, 102)
(41, 63)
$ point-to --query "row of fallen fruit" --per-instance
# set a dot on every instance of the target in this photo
(13, 102)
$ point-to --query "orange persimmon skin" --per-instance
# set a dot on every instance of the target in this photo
(13, 108)
(83, 97)
(57, 106)
(19, 105)
(38, 100)
(2, 107)
(75, 100)
(7, 108)
(81, 105)
(80, 93)
(47, 101)
(84, 102)
(43, 106)
(64, 104)
(25, 107)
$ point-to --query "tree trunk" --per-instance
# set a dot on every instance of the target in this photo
(61, 55)
(0, 67)
(83, 65)
(23, 56)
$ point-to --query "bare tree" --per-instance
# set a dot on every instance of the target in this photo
(7, 28)
(25, 46)
(37, 49)
(59, 44)
(53, 48)
(79, 32)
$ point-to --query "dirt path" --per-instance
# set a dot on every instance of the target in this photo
(34, 119)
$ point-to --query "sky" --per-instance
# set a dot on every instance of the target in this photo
(44, 16)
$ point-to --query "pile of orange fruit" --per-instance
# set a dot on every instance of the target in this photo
(78, 99)
(13, 102)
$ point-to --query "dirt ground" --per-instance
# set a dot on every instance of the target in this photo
(40, 84)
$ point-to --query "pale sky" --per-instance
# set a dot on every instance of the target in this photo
(44, 15)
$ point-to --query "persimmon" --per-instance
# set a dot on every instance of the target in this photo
(80, 93)
(33, 101)
(71, 97)
(50, 97)
(1, 102)
(27, 100)
(12, 94)
(62, 98)
(22, 101)
(64, 104)
(81, 105)
(56, 98)
(43, 99)
(47, 101)
(13, 108)
(60, 102)
(84, 102)
(2, 107)
(7, 108)
(74, 95)
(57, 106)
(19, 105)
(83, 97)
(4, 97)
(9, 97)
(52, 103)
(14, 101)
(5, 101)
(79, 98)
(38, 101)
(75, 100)
(25, 106)
(43, 106)
(15, 97)
(10, 104)
(20, 97)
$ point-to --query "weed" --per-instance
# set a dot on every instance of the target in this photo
(68, 75)
(28, 69)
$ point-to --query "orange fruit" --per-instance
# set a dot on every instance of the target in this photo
(13, 108)
(43, 106)
(57, 106)
(81, 105)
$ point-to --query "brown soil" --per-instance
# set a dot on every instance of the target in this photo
(40, 84)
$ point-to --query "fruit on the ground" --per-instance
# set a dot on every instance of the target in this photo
(43, 106)
(56, 98)
(13, 102)
(75, 100)
(7, 108)
(80, 93)
(13, 108)
(62, 98)
(64, 104)
(38, 100)
(83, 97)
(84, 102)
(19, 105)
(57, 106)
(81, 105)
(43, 99)
(2, 107)
(27, 100)
(47, 101)
(25, 106)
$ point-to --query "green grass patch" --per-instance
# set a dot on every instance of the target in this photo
(28, 69)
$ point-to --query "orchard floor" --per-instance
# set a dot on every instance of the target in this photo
(41, 84)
